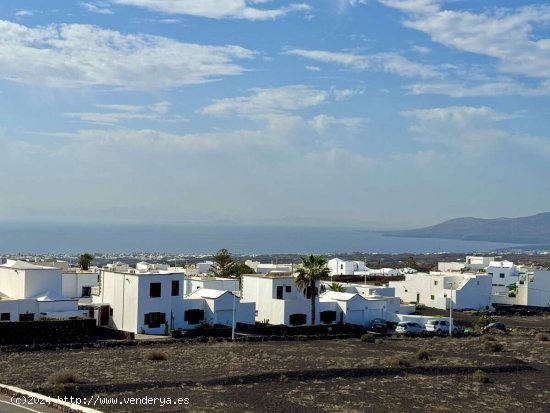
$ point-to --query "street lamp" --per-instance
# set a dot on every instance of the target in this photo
(233, 323)
(451, 311)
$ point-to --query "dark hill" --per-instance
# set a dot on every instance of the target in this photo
(533, 229)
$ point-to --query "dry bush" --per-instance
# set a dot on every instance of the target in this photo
(368, 338)
(397, 361)
(492, 346)
(156, 355)
(480, 376)
(541, 337)
(65, 390)
(63, 377)
(423, 354)
(488, 338)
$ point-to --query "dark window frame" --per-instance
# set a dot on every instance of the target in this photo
(5, 316)
(175, 288)
(155, 290)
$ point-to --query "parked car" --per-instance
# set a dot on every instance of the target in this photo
(493, 326)
(440, 327)
(409, 328)
(379, 325)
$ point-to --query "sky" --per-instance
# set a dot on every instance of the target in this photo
(376, 114)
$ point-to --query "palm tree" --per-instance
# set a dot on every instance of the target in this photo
(336, 287)
(310, 270)
(84, 261)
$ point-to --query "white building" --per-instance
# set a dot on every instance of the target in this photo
(467, 291)
(384, 272)
(504, 274)
(261, 268)
(78, 284)
(220, 306)
(29, 292)
(341, 267)
(473, 263)
(278, 299)
(531, 289)
(193, 283)
(151, 300)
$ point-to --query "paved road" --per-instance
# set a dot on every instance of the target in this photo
(7, 407)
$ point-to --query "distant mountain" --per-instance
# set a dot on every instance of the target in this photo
(533, 229)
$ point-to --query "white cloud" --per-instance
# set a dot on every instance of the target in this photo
(503, 34)
(263, 103)
(75, 55)
(473, 130)
(313, 68)
(99, 8)
(458, 90)
(117, 114)
(23, 13)
(386, 62)
(216, 9)
(343, 94)
(421, 49)
(323, 123)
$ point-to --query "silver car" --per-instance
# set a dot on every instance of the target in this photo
(409, 328)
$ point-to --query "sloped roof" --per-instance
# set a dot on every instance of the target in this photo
(52, 296)
(333, 295)
(208, 293)
(22, 265)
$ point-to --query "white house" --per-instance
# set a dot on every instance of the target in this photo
(150, 299)
(262, 268)
(29, 292)
(78, 284)
(504, 274)
(436, 289)
(193, 283)
(531, 289)
(384, 272)
(220, 306)
(278, 299)
(473, 263)
(341, 267)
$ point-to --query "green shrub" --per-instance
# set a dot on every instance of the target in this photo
(379, 341)
(480, 376)
(368, 338)
(284, 378)
(492, 346)
(156, 355)
(541, 337)
(62, 377)
(423, 355)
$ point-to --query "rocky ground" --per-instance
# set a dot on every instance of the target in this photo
(306, 376)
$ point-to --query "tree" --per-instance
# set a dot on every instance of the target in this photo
(223, 264)
(310, 270)
(240, 268)
(336, 287)
(410, 262)
(84, 261)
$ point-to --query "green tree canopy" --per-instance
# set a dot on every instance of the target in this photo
(240, 268)
(310, 270)
(84, 261)
(336, 287)
(223, 264)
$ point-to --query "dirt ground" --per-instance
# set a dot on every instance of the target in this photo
(303, 376)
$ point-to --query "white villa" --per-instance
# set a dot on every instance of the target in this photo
(262, 268)
(150, 299)
(341, 267)
(193, 283)
(473, 263)
(437, 289)
(30, 292)
(279, 301)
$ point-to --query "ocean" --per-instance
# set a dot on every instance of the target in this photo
(207, 239)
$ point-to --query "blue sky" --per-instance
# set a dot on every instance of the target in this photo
(378, 114)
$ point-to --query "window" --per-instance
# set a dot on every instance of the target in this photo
(86, 291)
(154, 290)
(280, 292)
(26, 317)
(175, 288)
(435, 282)
(297, 319)
(490, 273)
(111, 311)
(501, 275)
(193, 316)
(153, 320)
(5, 317)
(432, 297)
(327, 317)
(288, 289)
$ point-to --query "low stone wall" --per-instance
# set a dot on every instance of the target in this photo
(47, 332)
(282, 330)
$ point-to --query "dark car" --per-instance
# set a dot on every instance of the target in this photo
(494, 326)
(378, 325)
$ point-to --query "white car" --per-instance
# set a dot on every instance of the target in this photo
(409, 328)
(440, 327)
